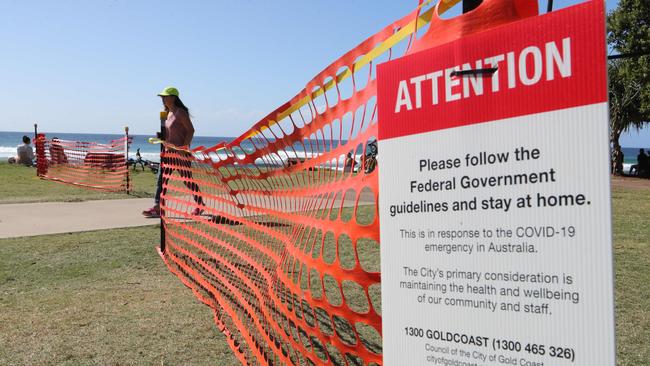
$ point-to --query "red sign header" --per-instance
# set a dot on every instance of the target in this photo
(540, 64)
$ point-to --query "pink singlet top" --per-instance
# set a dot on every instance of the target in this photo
(179, 129)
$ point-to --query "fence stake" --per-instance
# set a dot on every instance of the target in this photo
(126, 159)
(163, 119)
(35, 137)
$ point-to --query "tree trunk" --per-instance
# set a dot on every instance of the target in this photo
(617, 153)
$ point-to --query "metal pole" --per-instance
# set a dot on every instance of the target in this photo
(628, 55)
(163, 119)
(549, 6)
(469, 5)
(35, 137)
(126, 159)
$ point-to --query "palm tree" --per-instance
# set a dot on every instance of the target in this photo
(624, 114)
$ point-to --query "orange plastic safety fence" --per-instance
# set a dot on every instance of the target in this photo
(278, 231)
(93, 165)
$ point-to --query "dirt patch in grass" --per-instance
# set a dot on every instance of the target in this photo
(630, 182)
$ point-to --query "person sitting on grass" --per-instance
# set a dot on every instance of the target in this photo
(641, 167)
(178, 132)
(25, 153)
(350, 164)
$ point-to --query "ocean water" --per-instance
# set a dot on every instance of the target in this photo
(630, 154)
(10, 140)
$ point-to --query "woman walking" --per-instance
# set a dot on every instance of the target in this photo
(179, 132)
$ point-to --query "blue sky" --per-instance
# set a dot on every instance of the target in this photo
(95, 66)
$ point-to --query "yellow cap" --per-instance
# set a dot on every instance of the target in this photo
(170, 90)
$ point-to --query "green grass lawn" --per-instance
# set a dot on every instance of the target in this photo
(20, 184)
(101, 298)
(105, 297)
(631, 222)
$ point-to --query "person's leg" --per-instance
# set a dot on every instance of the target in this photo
(159, 186)
(188, 180)
(191, 184)
(162, 180)
(194, 188)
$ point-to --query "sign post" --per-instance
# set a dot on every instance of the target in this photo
(163, 119)
(495, 200)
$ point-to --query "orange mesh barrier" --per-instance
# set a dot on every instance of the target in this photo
(278, 231)
(86, 164)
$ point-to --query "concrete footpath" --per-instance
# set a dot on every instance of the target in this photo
(29, 219)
